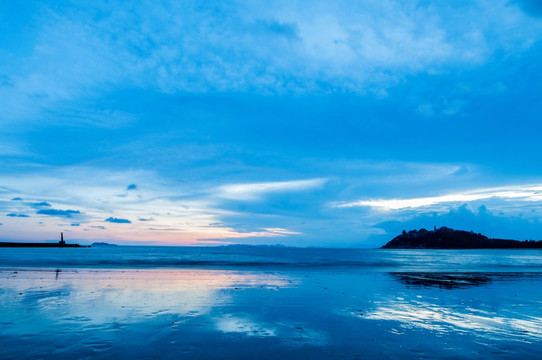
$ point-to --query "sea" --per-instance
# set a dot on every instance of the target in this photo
(275, 257)
(269, 302)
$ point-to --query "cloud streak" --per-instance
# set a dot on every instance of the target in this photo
(255, 191)
(17, 215)
(117, 220)
(40, 204)
(58, 212)
(528, 193)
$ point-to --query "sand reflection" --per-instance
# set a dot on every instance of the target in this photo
(117, 296)
(198, 313)
(430, 316)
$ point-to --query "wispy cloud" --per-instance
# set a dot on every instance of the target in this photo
(117, 220)
(520, 193)
(17, 215)
(254, 191)
(267, 232)
(11, 149)
(58, 212)
(40, 204)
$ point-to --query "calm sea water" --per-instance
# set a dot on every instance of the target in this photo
(527, 260)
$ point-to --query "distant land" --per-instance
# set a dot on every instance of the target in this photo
(60, 244)
(446, 238)
(41, 245)
(102, 244)
(255, 245)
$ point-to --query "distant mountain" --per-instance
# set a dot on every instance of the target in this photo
(102, 244)
(446, 238)
(258, 246)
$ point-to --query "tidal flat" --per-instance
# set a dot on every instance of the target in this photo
(290, 313)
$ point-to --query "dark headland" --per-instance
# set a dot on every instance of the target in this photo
(60, 244)
(446, 238)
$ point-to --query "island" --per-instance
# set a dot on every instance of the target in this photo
(60, 244)
(98, 244)
(446, 238)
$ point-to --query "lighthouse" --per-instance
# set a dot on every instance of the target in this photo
(61, 242)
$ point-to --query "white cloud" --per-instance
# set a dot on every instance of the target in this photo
(254, 191)
(529, 193)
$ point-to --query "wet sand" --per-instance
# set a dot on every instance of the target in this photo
(286, 314)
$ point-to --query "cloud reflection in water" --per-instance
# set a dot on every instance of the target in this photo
(456, 318)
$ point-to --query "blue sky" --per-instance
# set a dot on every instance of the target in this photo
(321, 124)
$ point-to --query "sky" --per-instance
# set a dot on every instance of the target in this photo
(330, 124)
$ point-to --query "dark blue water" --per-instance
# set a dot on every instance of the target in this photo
(517, 260)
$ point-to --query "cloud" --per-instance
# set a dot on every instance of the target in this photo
(294, 211)
(97, 227)
(75, 224)
(145, 219)
(526, 193)
(40, 204)
(17, 199)
(10, 148)
(271, 28)
(17, 215)
(283, 47)
(254, 237)
(58, 212)
(131, 187)
(163, 229)
(480, 220)
(442, 107)
(463, 170)
(254, 191)
(281, 231)
(118, 221)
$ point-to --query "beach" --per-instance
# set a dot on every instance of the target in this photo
(268, 312)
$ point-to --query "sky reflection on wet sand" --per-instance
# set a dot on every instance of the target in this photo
(245, 314)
